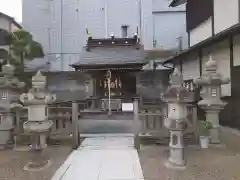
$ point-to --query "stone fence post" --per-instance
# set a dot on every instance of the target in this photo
(136, 124)
(76, 134)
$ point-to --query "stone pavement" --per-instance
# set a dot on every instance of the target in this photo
(109, 157)
(215, 163)
(12, 163)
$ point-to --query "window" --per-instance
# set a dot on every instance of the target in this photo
(124, 31)
(189, 84)
(4, 95)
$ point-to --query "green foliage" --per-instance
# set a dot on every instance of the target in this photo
(204, 127)
(23, 47)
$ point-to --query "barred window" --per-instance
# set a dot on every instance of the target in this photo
(4, 95)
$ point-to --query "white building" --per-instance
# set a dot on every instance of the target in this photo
(59, 25)
(213, 29)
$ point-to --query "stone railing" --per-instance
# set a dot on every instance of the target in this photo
(152, 121)
(62, 120)
(61, 115)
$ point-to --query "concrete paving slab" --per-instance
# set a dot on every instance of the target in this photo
(103, 158)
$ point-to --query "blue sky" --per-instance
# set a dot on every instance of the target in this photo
(12, 8)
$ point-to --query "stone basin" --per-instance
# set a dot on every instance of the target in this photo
(37, 127)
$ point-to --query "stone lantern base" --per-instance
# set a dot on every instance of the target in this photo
(176, 158)
(171, 165)
(38, 161)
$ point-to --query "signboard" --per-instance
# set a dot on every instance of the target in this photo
(127, 107)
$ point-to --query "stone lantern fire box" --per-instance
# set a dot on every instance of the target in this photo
(177, 97)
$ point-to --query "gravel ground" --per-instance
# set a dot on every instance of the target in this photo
(12, 163)
(215, 163)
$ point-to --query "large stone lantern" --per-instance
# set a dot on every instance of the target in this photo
(38, 125)
(9, 98)
(211, 82)
(177, 98)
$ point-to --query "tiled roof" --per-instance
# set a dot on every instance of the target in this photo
(111, 51)
(175, 3)
(111, 56)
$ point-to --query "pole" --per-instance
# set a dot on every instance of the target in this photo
(109, 93)
(136, 125)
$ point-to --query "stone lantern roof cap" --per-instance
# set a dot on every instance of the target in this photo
(8, 80)
(176, 92)
(210, 75)
(8, 69)
(211, 65)
(39, 78)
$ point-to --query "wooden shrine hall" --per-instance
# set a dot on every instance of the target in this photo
(112, 64)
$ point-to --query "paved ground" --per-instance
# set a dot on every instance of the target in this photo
(103, 158)
(12, 163)
(215, 163)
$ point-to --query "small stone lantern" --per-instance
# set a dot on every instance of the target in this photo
(38, 124)
(211, 82)
(177, 98)
(9, 98)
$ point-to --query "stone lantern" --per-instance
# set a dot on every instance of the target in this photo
(177, 97)
(38, 125)
(9, 98)
(211, 82)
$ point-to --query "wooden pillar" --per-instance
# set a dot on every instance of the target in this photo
(76, 138)
(136, 125)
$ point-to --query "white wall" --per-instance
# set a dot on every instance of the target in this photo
(147, 24)
(163, 5)
(35, 17)
(236, 50)
(4, 23)
(191, 68)
(201, 32)
(226, 14)
(220, 53)
(43, 19)
(167, 28)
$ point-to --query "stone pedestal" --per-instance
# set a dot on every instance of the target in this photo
(213, 117)
(176, 158)
(211, 82)
(177, 98)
